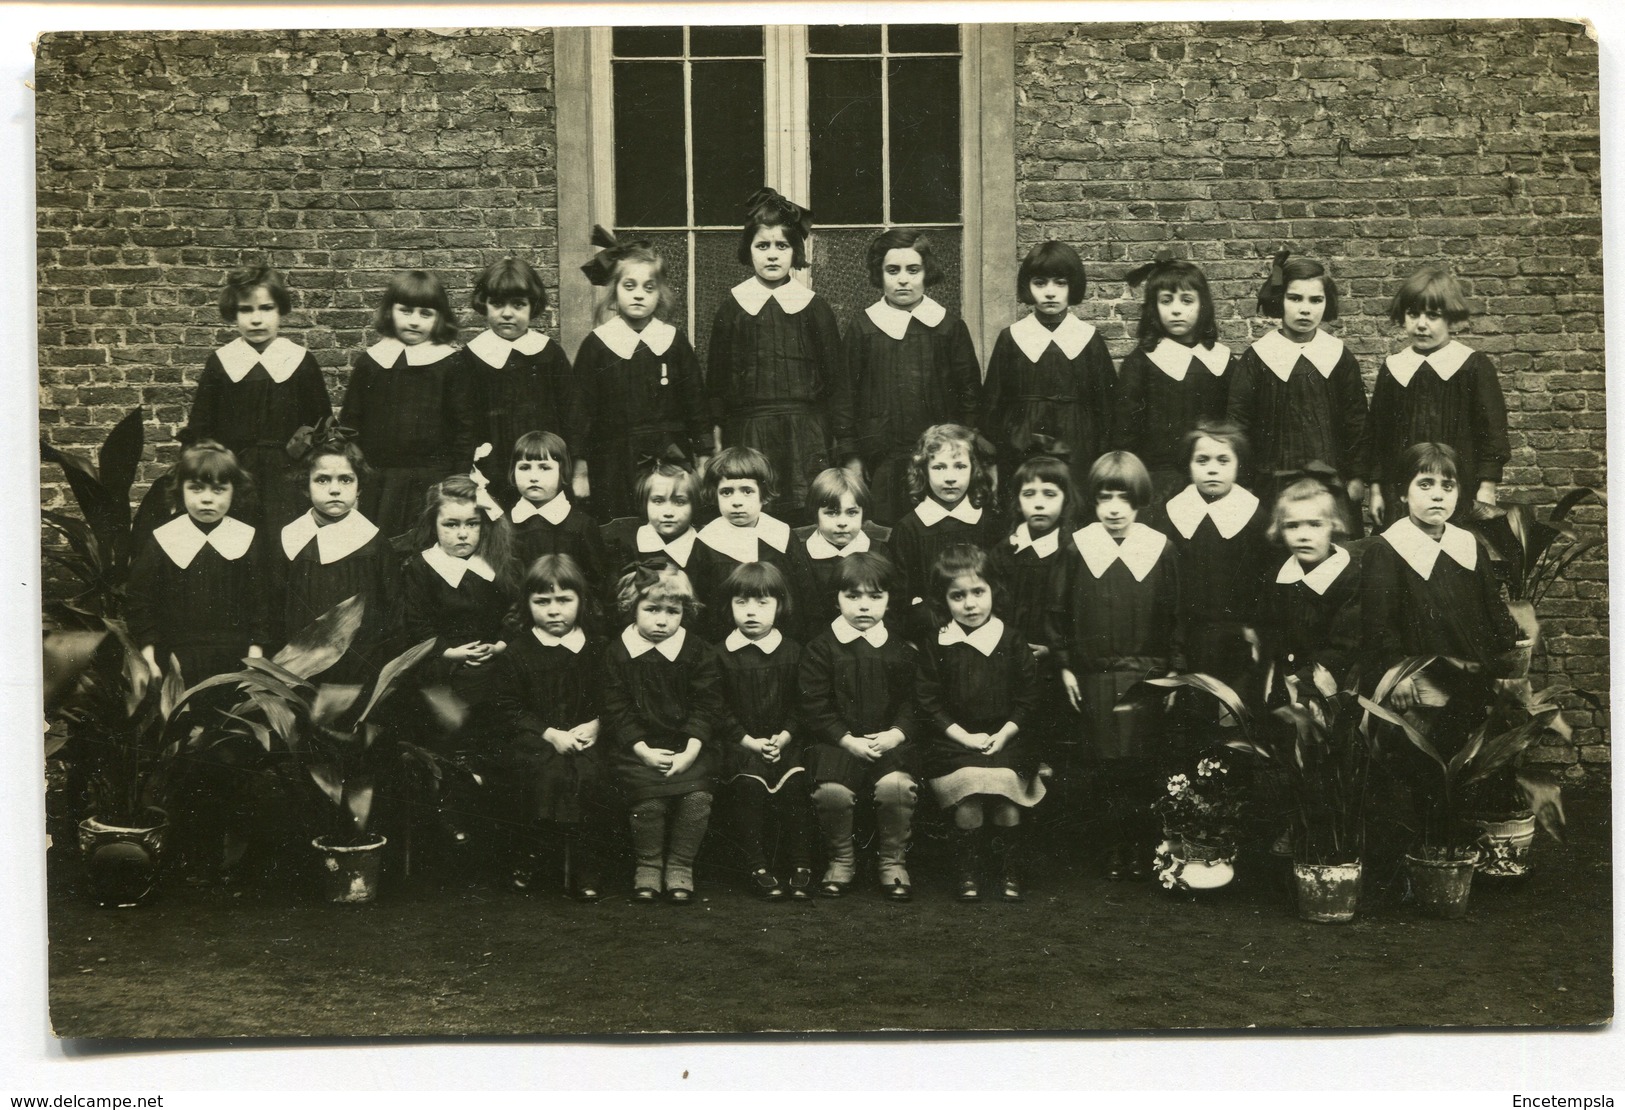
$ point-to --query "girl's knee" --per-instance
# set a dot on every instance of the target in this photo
(832, 797)
(1006, 814)
(897, 789)
(968, 814)
(696, 804)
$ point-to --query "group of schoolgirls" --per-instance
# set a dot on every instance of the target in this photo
(902, 630)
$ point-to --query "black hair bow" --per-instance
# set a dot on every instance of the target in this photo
(767, 207)
(1039, 445)
(1269, 297)
(645, 572)
(671, 453)
(327, 432)
(1136, 277)
(600, 268)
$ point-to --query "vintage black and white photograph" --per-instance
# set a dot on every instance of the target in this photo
(706, 527)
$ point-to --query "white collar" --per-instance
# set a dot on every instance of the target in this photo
(333, 541)
(1139, 551)
(572, 641)
(493, 350)
(452, 569)
(820, 548)
(619, 337)
(636, 645)
(984, 639)
(1281, 354)
(1421, 550)
(554, 511)
(769, 644)
(740, 544)
(1046, 545)
(1230, 513)
(1034, 338)
(752, 295)
(931, 512)
(678, 550)
(1321, 578)
(386, 352)
(1445, 361)
(845, 633)
(182, 539)
(280, 358)
(894, 321)
(1175, 359)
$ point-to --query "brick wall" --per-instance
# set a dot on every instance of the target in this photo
(1375, 147)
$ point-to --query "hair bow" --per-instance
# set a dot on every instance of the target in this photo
(644, 573)
(600, 268)
(1136, 277)
(767, 207)
(482, 484)
(671, 453)
(1039, 445)
(1314, 469)
(983, 447)
(327, 432)
(1269, 297)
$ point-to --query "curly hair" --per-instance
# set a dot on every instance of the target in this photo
(208, 462)
(934, 439)
(957, 561)
(240, 285)
(669, 585)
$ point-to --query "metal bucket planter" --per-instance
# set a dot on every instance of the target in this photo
(123, 860)
(1504, 846)
(1442, 885)
(350, 871)
(1183, 863)
(1327, 892)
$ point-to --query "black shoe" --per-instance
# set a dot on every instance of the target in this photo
(587, 892)
(678, 896)
(767, 887)
(451, 829)
(1011, 889)
(829, 888)
(969, 890)
(899, 891)
(801, 881)
(645, 896)
(1117, 865)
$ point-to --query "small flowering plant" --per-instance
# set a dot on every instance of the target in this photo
(1205, 808)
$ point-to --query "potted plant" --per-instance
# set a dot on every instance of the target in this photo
(1200, 815)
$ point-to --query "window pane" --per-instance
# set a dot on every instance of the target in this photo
(831, 39)
(924, 140)
(843, 118)
(672, 247)
(715, 42)
(648, 42)
(650, 183)
(716, 270)
(923, 38)
(728, 157)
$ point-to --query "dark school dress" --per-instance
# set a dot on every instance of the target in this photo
(630, 540)
(916, 542)
(813, 562)
(639, 395)
(455, 601)
(771, 367)
(663, 703)
(558, 528)
(1300, 403)
(859, 689)
(410, 413)
(540, 686)
(200, 596)
(251, 403)
(1162, 394)
(515, 388)
(760, 692)
(1050, 392)
(1311, 618)
(980, 681)
(722, 548)
(1114, 620)
(1451, 395)
(1026, 572)
(314, 568)
(905, 371)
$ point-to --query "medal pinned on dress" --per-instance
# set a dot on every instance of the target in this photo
(664, 380)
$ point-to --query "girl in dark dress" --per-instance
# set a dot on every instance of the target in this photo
(406, 402)
(662, 703)
(857, 705)
(978, 690)
(640, 395)
(761, 739)
(518, 379)
(739, 481)
(256, 391)
(775, 353)
(1438, 391)
(910, 364)
(1311, 614)
(1114, 620)
(838, 501)
(544, 519)
(549, 698)
(1296, 393)
(1051, 387)
(669, 494)
(1176, 376)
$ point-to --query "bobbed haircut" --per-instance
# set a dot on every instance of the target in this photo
(957, 561)
(902, 238)
(1052, 259)
(1224, 431)
(671, 586)
(934, 439)
(738, 463)
(512, 279)
(1306, 489)
(759, 580)
(240, 285)
(1120, 472)
(681, 477)
(864, 571)
(208, 462)
(1271, 302)
(1045, 468)
(826, 490)
(1172, 278)
(551, 573)
(534, 446)
(771, 214)
(417, 289)
(1429, 458)
(1430, 289)
(664, 290)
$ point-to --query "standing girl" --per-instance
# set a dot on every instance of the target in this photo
(406, 403)
(1050, 386)
(518, 379)
(839, 503)
(775, 352)
(1176, 377)
(544, 519)
(256, 391)
(1438, 391)
(762, 740)
(1296, 393)
(1114, 620)
(1311, 613)
(739, 480)
(910, 364)
(662, 704)
(639, 392)
(978, 690)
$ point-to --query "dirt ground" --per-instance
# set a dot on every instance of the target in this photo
(449, 952)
